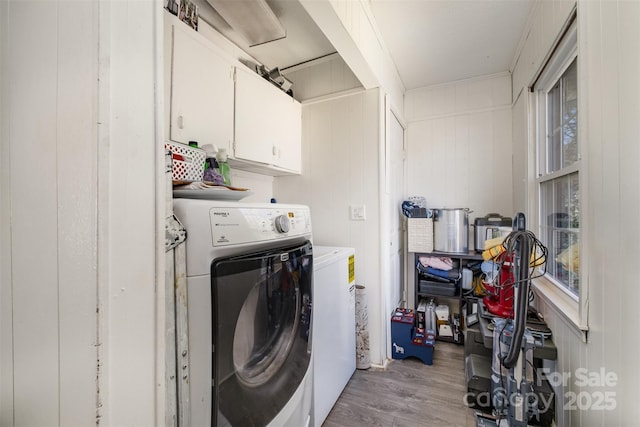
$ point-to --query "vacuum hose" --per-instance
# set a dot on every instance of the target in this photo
(523, 247)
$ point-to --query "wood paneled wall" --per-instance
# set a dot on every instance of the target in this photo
(609, 66)
(49, 282)
(340, 162)
(78, 214)
(459, 144)
(351, 28)
(322, 77)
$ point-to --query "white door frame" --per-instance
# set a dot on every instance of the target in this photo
(386, 112)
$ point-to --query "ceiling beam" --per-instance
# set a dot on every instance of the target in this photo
(328, 20)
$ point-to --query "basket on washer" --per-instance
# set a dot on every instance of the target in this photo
(188, 162)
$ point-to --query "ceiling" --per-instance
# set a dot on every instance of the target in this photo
(304, 40)
(430, 41)
(438, 41)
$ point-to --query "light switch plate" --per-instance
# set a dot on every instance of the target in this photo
(358, 212)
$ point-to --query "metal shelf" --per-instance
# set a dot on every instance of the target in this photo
(461, 259)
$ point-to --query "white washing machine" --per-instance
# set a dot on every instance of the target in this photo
(334, 326)
(249, 285)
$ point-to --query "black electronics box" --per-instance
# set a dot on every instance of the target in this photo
(437, 288)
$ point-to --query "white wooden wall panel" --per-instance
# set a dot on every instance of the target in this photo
(459, 97)
(542, 33)
(352, 30)
(49, 68)
(61, 225)
(6, 295)
(340, 168)
(501, 160)
(129, 325)
(459, 145)
(6, 291)
(261, 186)
(480, 94)
(77, 209)
(322, 77)
(628, 108)
(610, 239)
(519, 165)
(608, 45)
(519, 72)
(33, 53)
(591, 72)
(543, 28)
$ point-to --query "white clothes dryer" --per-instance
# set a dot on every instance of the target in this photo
(249, 285)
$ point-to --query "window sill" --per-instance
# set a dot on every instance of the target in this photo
(562, 304)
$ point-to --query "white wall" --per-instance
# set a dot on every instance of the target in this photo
(321, 77)
(260, 186)
(78, 214)
(340, 159)
(49, 221)
(609, 66)
(6, 313)
(351, 28)
(130, 138)
(459, 144)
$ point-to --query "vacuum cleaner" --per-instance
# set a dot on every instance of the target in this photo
(514, 401)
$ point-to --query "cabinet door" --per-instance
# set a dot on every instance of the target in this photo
(288, 150)
(268, 123)
(201, 91)
(256, 118)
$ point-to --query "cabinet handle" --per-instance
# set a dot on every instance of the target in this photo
(274, 151)
(180, 122)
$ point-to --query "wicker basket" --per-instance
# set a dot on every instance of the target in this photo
(420, 234)
(188, 162)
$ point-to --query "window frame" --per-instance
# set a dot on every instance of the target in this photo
(547, 82)
(573, 307)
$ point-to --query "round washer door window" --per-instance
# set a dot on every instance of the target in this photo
(266, 329)
(261, 348)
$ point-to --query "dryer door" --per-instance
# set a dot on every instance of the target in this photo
(261, 313)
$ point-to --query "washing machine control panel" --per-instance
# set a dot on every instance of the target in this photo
(237, 225)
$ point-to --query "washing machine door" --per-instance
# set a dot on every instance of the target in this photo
(261, 325)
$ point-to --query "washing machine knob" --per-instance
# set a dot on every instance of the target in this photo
(282, 224)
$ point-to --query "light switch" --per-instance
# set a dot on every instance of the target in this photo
(358, 212)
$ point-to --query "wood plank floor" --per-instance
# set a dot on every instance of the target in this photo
(407, 394)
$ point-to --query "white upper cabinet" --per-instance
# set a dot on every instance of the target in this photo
(202, 91)
(217, 100)
(267, 124)
(288, 151)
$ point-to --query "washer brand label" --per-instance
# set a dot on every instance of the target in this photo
(222, 214)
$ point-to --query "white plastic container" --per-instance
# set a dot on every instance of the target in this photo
(442, 312)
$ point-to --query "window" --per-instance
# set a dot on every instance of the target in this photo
(558, 166)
